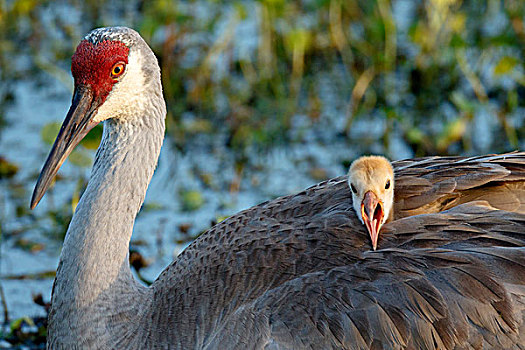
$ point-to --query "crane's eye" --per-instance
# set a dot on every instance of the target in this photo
(353, 188)
(118, 69)
(387, 185)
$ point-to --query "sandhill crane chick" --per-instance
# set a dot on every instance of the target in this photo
(371, 180)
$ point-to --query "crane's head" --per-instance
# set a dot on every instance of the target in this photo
(116, 75)
(371, 180)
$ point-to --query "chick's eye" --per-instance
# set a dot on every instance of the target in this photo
(353, 188)
(387, 186)
(117, 69)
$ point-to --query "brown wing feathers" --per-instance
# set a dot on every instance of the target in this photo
(431, 185)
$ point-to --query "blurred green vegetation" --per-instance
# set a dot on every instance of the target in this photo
(246, 68)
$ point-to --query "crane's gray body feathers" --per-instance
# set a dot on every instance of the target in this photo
(298, 271)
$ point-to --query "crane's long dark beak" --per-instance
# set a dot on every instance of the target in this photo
(77, 124)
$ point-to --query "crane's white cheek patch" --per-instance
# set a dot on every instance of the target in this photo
(126, 94)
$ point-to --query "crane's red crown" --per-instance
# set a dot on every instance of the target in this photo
(92, 65)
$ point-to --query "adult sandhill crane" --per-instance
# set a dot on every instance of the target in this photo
(295, 272)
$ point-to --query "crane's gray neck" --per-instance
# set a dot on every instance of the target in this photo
(93, 279)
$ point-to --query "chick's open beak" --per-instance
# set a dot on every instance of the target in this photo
(372, 213)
